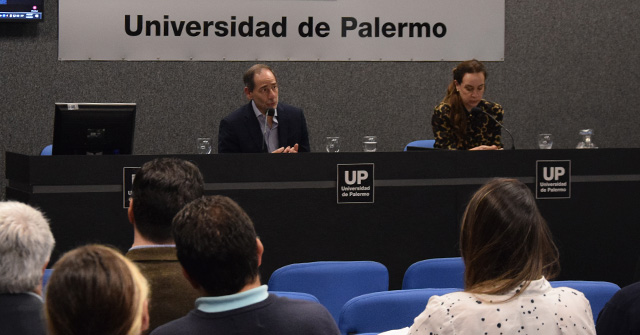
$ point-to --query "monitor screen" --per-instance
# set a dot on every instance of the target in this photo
(21, 10)
(94, 128)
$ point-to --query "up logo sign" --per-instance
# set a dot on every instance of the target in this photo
(355, 183)
(553, 179)
(128, 175)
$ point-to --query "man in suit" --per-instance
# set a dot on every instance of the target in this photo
(26, 243)
(264, 124)
(160, 189)
(221, 254)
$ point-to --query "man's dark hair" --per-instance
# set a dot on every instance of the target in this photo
(160, 189)
(249, 75)
(216, 245)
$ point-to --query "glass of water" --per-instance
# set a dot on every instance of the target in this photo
(545, 141)
(333, 144)
(369, 143)
(204, 145)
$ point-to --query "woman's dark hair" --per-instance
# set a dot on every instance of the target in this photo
(459, 119)
(504, 241)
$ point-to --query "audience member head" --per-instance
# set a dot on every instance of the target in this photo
(465, 92)
(95, 290)
(26, 243)
(217, 245)
(504, 240)
(160, 189)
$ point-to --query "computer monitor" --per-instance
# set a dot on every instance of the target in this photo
(21, 10)
(94, 128)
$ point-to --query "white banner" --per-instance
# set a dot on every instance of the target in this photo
(280, 30)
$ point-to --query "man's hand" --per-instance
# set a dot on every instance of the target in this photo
(287, 150)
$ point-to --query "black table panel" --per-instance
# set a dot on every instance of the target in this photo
(419, 199)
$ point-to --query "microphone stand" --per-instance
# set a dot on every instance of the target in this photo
(269, 112)
(478, 109)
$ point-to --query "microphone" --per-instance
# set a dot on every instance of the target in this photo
(478, 109)
(269, 112)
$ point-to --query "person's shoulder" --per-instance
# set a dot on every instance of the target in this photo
(567, 293)
(627, 297)
(177, 326)
(288, 108)
(492, 106)
(458, 296)
(306, 314)
(239, 113)
(295, 305)
(442, 107)
(441, 112)
(20, 301)
(619, 315)
(155, 253)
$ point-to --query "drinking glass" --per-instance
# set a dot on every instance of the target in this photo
(545, 141)
(587, 141)
(369, 143)
(204, 145)
(333, 144)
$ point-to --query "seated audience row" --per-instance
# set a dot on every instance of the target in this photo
(220, 253)
(204, 250)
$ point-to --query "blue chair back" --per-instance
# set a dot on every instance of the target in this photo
(382, 311)
(46, 151)
(296, 295)
(333, 283)
(45, 279)
(421, 144)
(435, 273)
(597, 292)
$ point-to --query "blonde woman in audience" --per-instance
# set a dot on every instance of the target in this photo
(509, 254)
(95, 290)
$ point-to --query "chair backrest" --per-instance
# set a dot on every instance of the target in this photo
(435, 273)
(421, 144)
(45, 279)
(46, 151)
(597, 292)
(381, 311)
(333, 283)
(296, 295)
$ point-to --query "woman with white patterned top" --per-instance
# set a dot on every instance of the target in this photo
(508, 253)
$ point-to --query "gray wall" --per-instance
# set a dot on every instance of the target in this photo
(568, 65)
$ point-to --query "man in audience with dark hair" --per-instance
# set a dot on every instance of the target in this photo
(220, 254)
(26, 243)
(160, 189)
